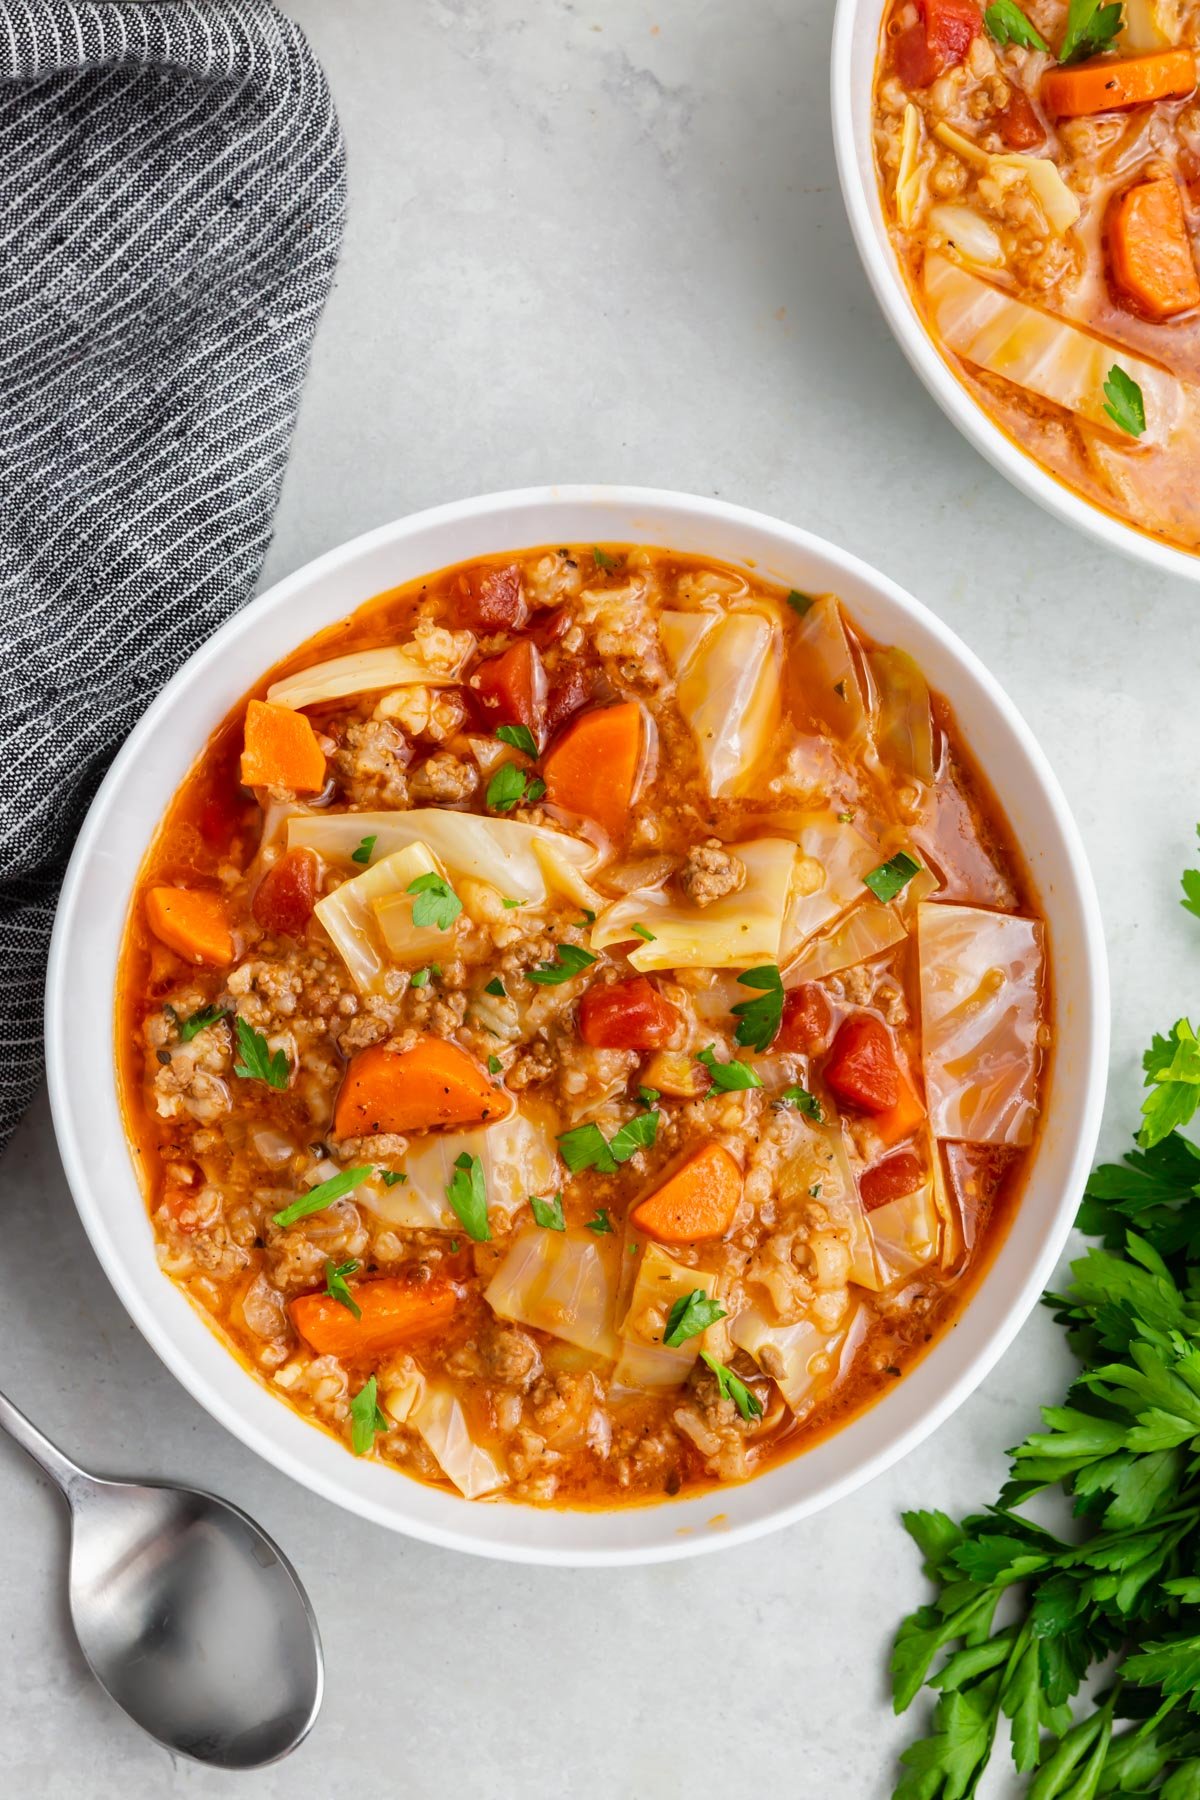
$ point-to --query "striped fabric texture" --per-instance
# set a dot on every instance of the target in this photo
(172, 182)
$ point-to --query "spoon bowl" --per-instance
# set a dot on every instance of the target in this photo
(187, 1612)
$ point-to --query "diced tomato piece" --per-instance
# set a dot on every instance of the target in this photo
(220, 817)
(550, 626)
(939, 40)
(862, 1069)
(627, 1015)
(1018, 124)
(285, 897)
(570, 690)
(887, 1180)
(511, 688)
(806, 1020)
(490, 599)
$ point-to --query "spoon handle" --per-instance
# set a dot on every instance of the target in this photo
(48, 1456)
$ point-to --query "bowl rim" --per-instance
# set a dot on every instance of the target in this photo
(66, 1076)
(860, 194)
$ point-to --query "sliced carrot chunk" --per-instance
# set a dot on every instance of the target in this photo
(434, 1083)
(1150, 251)
(192, 922)
(395, 1312)
(1110, 83)
(281, 750)
(902, 1119)
(592, 769)
(698, 1201)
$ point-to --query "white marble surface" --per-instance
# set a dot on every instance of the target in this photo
(604, 241)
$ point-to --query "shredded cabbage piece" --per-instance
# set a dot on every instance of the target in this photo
(813, 1361)
(981, 979)
(843, 855)
(500, 851)
(817, 1167)
(1148, 25)
(906, 1233)
(735, 931)
(867, 931)
(563, 1282)
(728, 688)
(350, 918)
(645, 1361)
(1058, 203)
(442, 1423)
(967, 232)
(519, 1158)
(904, 716)
(367, 671)
(823, 648)
(1035, 350)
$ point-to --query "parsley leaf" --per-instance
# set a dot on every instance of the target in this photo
(467, 1195)
(1007, 24)
(519, 737)
(510, 785)
(570, 961)
(366, 1418)
(800, 603)
(323, 1195)
(200, 1021)
(495, 986)
(363, 853)
(732, 1388)
(435, 901)
(548, 1213)
(586, 1148)
(691, 1314)
(1191, 892)
(649, 1096)
(600, 1222)
(727, 1077)
(1123, 402)
(391, 1177)
(759, 1020)
(804, 1102)
(603, 559)
(1172, 1066)
(495, 1066)
(641, 931)
(511, 905)
(420, 977)
(255, 1060)
(335, 1284)
(1091, 28)
(886, 881)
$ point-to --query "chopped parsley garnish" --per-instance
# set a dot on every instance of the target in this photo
(1172, 1067)
(803, 1101)
(603, 559)
(454, 1246)
(391, 1177)
(845, 818)
(468, 1197)
(691, 1314)
(323, 1195)
(420, 977)
(759, 1020)
(434, 901)
(519, 737)
(510, 905)
(1123, 402)
(366, 1418)
(199, 1021)
(495, 1066)
(1091, 28)
(589, 918)
(732, 1388)
(640, 931)
(335, 1284)
(1007, 24)
(727, 1077)
(886, 881)
(800, 603)
(571, 961)
(548, 1213)
(363, 853)
(649, 1096)
(496, 986)
(600, 1222)
(255, 1059)
(586, 1148)
(510, 785)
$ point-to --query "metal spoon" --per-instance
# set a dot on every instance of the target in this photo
(188, 1614)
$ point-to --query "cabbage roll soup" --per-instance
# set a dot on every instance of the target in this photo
(583, 1022)
(1040, 169)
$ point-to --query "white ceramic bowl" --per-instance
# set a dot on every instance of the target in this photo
(83, 964)
(852, 71)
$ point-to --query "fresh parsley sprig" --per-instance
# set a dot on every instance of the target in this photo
(199, 1021)
(512, 786)
(1123, 402)
(886, 881)
(1007, 24)
(321, 1196)
(569, 960)
(467, 1194)
(587, 1148)
(728, 1077)
(366, 1417)
(759, 1020)
(434, 901)
(1091, 28)
(256, 1061)
(336, 1286)
(691, 1314)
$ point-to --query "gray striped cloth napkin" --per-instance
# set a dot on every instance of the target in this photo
(172, 182)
